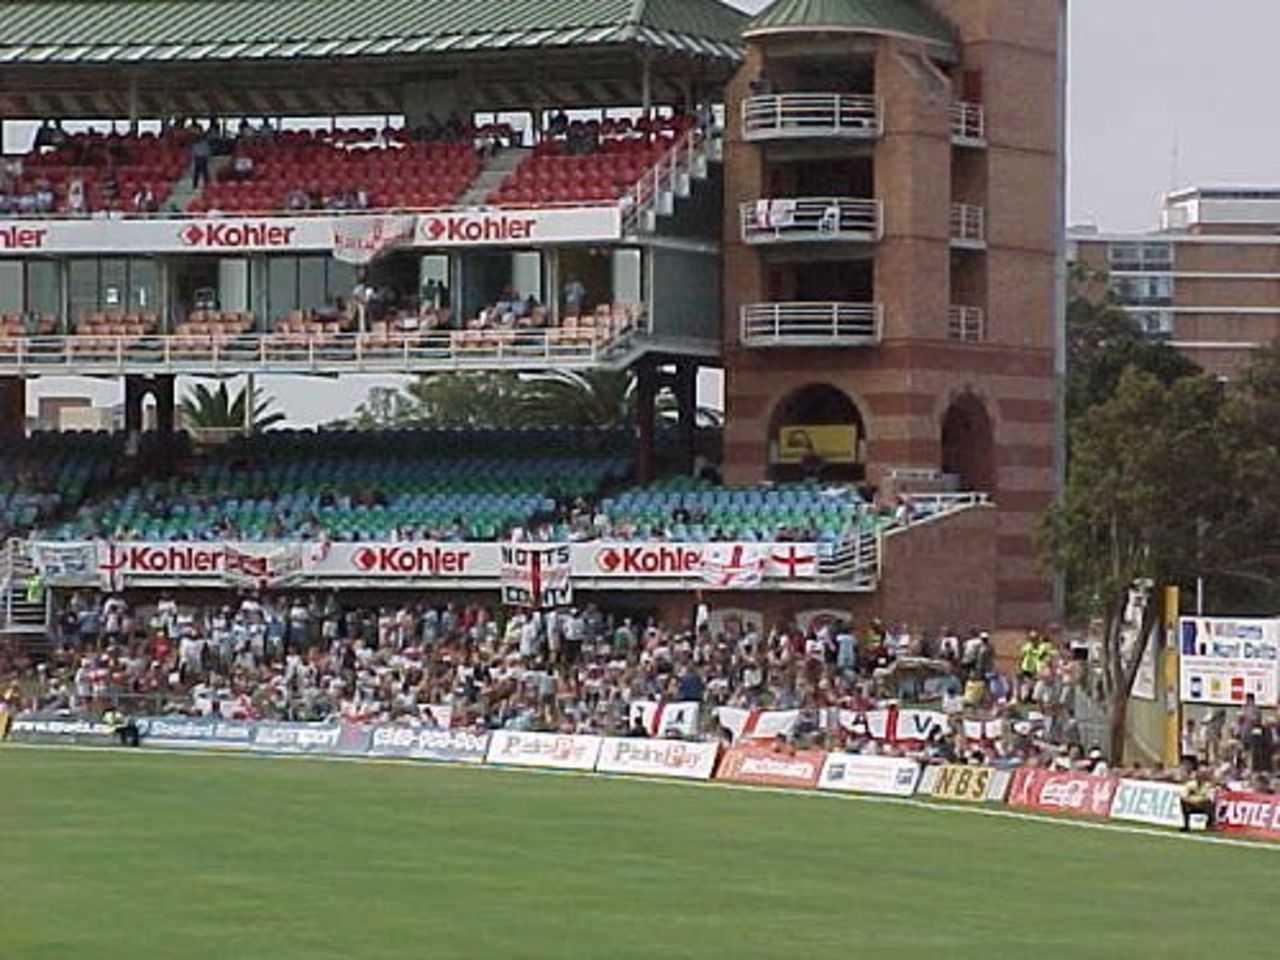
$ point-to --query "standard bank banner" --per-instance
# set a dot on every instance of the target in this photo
(200, 733)
(658, 758)
(1148, 801)
(889, 776)
(554, 750)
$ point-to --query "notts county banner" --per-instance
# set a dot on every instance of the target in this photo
(537, 576)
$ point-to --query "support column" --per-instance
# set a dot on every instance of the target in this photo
(13, 409)
(163, 389)
(646, 394)
(686, 390)
(135, 390)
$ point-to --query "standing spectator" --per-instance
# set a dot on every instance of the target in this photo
(574, 296)
(201, 151)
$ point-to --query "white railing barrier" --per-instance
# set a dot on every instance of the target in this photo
(661, 178)
(968, 223)
(968, 122)
(815, 323)
(800, 115)
(810, 218)
(594, 338)
(967, 323)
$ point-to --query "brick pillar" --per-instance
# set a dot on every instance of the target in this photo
(135, 389)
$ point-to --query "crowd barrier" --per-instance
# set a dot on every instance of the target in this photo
(1154, 803)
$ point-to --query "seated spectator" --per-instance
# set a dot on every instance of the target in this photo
(296, 199)
(242, 166)
(143, 200)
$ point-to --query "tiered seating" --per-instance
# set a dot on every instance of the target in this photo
(364, 486)
(300, 170)
(591, 162)
(104, 333)
(205, 329)
(687, 509)
(16, 325)
(111, 168)
(48, 473)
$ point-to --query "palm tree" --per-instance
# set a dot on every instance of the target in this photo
(206, 409)
(604, 399)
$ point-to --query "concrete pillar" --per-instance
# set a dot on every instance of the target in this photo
(135, 390)
(646, 394)
(163, 389)
(686, 390)
(13, 408)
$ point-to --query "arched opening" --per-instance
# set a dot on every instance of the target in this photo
(817, 433)
(968, 445)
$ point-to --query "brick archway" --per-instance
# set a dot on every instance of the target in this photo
(820, 419)
(968, 443)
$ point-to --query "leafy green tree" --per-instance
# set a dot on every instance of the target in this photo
(206, 409)
(1150, 487)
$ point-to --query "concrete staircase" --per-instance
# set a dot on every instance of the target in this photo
(491, 175)
(181, 191)
(19, 617)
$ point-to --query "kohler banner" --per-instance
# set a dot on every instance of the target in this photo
(530, 575)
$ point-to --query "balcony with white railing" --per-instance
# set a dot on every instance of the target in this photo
(811, 220)
(968, 226)
(968, 124)
(811, 324)
(967, 324)
(803, 116)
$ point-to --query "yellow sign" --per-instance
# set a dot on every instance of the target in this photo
(832, 443)
(963, 783)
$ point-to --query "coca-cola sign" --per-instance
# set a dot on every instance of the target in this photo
(1063, 792)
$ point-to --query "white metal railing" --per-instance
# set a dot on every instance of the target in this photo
(968, 224)
(681, 160)
(929, 507)
(787, 116)
(315, 352)
(811, 219)
(967, 323)
(855, 560)
(810, 324)
(968, 123)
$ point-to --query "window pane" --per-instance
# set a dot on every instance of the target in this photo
(342, 279)
(282, 286)
(144, 286)
(311, 282)
(84, 289)
(113, 293)
(44, 288)
(12, 294)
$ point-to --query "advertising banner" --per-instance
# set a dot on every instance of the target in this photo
(661, 718)
(1147, 801)
(200, 733)
(767, 767)
(324, 738)
(166, 235)
(540, 576)
(1063, 792)
(1248, 814)
(506, 228)
(970, 784)
(415, 743)
(834, 444)
(360, 239)
(118, 564)
(36, 728)
(658, 758)
(889, 776)
(1222, 661)
(757, 724)
(554, 750)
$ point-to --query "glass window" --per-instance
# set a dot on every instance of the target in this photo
(113, 286)
(282, 286)
(83, 276)
(627, 276)
(144, 286)
(12, 287)
(342, 279)
(44, 288)
(311, 282)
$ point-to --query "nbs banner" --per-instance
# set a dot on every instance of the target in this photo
(970, 784)
(537, 576)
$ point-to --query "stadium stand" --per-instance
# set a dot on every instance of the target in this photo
(50, 473)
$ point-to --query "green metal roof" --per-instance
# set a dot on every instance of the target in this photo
(910, 18)
(149, 31)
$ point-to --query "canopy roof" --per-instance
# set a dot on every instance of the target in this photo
(157, 31)
(908, 18)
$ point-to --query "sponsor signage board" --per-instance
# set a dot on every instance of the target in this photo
(195, 732)
(1248, 814)
(659, 758)
(767, 767)
(553, 750)
(889, 776)
(479, 565)
(1062, 792)
(36, 728)
(417, 743)
(1223, 661)
(969, 784)
(324, 738)
(354, 237)
(1148, 801)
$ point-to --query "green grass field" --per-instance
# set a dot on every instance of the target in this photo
(115, 856)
